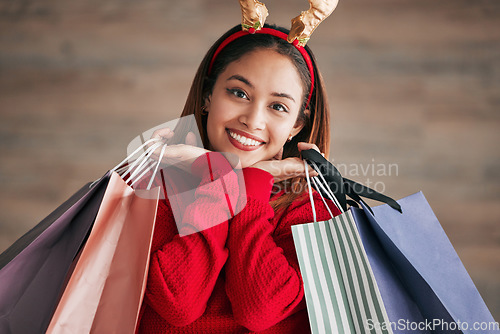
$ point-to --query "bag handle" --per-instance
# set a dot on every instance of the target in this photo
(310, 191)
(321, 183)
(122, 165)
(318, 184)
(342, 187)
(157, 165)
(139, 164)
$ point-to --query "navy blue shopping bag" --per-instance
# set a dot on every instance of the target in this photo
(424, 285)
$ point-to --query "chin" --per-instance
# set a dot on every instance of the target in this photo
(246, 163)
(239, 160)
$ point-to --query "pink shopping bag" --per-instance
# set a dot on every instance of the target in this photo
(105, 290)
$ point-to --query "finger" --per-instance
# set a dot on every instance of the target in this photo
(302, 146)
(295, 167)
(157, 152)
(312, 172)
(163, 133)
(154, 157)
(155, 135)
(191, 139)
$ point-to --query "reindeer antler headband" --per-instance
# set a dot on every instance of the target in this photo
(254, 14)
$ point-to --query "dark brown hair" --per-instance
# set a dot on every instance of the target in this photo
(316, 128)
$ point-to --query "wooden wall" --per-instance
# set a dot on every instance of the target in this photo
(412, 84)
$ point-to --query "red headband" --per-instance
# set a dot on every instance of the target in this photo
(272, 32)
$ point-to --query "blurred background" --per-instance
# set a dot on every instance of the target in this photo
(414, 88)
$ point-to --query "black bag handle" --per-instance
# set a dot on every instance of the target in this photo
(342, 187)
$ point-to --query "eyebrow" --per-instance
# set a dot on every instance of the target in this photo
(285, 95)
(242, 79)
(248, 83)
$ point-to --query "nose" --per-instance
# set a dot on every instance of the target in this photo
(254, 117)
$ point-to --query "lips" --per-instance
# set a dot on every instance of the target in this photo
(244, 141)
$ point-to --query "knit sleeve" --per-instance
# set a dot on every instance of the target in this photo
(184, 270)
(263, 281)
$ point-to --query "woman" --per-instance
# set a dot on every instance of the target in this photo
(262, 99)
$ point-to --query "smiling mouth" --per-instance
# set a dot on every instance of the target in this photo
(245, 141)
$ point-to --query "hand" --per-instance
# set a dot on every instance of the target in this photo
(180, 155)
(302, 146)
(289, 167)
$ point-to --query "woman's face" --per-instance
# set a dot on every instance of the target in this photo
(254, 106)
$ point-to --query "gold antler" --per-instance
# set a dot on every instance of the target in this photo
(304, 24)
(253, 14)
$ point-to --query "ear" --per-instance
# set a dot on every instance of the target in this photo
(300, 123)
(207, 102)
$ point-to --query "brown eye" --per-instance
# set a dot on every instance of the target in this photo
(238, 93)
(279, 107)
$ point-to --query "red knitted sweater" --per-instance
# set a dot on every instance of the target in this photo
(239, 276)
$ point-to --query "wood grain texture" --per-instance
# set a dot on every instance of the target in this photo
(412, 84)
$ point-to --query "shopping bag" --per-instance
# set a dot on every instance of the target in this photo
(424, 287)
(400, 306)
(20, 244)
(429, 268)
(33, 277)
(341, 292)
(105, 290)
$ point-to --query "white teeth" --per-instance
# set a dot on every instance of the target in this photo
(244, 140)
